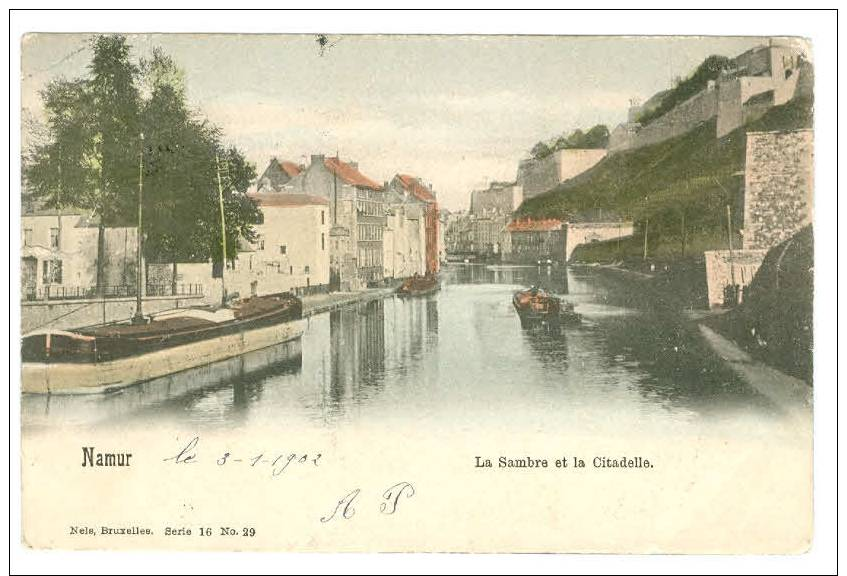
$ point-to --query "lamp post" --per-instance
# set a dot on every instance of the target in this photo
(223, 230)
(139, 266)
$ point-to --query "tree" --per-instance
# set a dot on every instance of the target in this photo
(576, 139)
(90, 157)
(597, 137)
(181, 159)
(114, 113)
(540, 150)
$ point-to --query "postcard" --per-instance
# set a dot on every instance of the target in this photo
(416, 293)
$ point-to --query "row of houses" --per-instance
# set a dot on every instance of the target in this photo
(324, 227)
(525, 240)
(489, 231)
(376, 231)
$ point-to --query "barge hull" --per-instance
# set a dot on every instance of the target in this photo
(93, 378)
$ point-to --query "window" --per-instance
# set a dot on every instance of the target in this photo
(306, 269)
(283, 249)
(322, 217)
(260, 219)
(261, 242)
(52, 272)
(28, 237)
(291, 269)
(323, 242)
(54, 237)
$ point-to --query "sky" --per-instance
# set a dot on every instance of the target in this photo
(457, 111)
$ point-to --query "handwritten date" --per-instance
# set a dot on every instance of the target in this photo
(278, 462)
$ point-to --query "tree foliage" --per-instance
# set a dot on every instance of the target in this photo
(708, 70)
(596, 137)
(125, 121)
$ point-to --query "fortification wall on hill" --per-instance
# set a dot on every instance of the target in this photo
(537, 176)
(778, 182)
(700, 108)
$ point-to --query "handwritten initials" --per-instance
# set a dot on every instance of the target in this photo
(392, 496)
(345, 505)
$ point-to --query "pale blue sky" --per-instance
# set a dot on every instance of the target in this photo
(457, 111)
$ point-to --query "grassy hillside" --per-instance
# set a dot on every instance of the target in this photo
(689, 179)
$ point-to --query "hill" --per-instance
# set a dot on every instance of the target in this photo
(678, 189)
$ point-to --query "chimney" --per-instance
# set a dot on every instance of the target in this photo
(317, 159)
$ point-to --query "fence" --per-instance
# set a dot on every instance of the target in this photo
(311, 290)
(32, 294)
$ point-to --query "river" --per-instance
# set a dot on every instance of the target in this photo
(458, 356)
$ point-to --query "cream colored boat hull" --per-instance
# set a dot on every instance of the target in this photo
(70, 378)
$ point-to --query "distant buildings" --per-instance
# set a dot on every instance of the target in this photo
(375, 231)
(537, 176)
(534, 241)
(471, 237)
(412, 190)
(589, 231)
(501, 198)
(277, 175)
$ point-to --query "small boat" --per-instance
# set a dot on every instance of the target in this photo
(419, 285)
(536, 305)
(112, 356)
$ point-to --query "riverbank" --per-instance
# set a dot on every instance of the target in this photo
(715, 329)
(319, 303)
(680, 284)
(790, 394)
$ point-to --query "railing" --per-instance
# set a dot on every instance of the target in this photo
(174, 290)
(311, 290)
(32, 294)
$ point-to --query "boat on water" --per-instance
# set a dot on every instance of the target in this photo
(112, 356)
(536, 305)
(419, 285)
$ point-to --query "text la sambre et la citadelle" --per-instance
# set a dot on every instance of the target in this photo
(572, 462)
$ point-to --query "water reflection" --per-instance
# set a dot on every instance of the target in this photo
(548, 343)
(359, 361)
(357, 347)
(190, 392)
(457, 356)
(551, 278)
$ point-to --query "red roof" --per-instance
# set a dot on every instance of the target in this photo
(415, 188)
(289, 168)
(349, 174)
(530, 225)
(283, 199)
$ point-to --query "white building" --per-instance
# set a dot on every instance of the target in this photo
(578, 233)
(291, 251)
(404, 241)
(59, 256)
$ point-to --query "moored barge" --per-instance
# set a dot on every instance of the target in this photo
(108, 357)
(419, 285)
